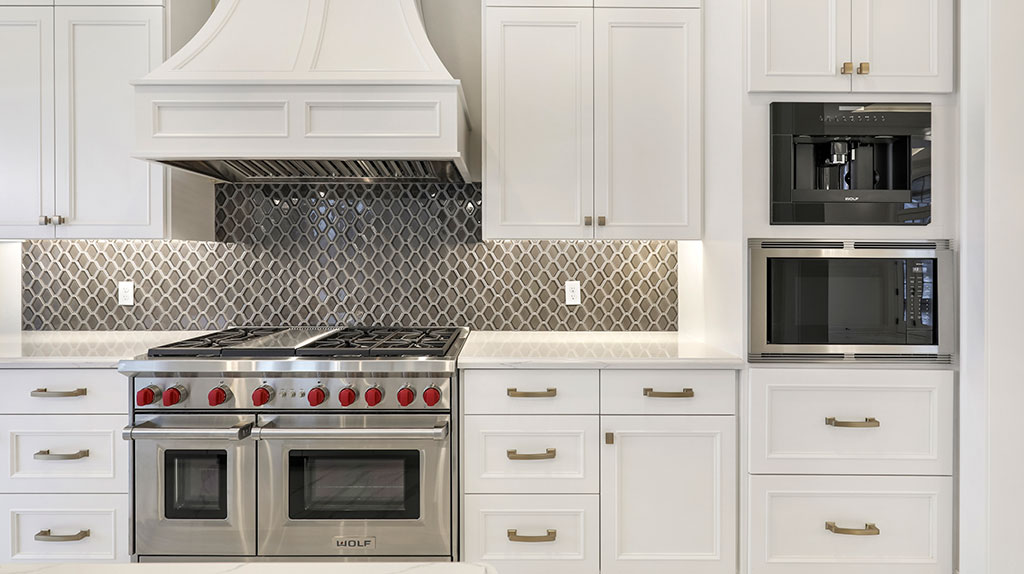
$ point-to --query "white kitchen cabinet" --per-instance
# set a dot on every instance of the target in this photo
(64, 528)
(851, 45)
(668, 495)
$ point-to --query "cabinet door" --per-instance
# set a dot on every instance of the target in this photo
(647, 135)
(26, 114)
(798, 45)
(539, 98)
(101, 190)
(908, 45)
(668, 495)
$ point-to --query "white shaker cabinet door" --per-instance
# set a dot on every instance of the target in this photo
(539, 111)
(647, 103)
(668, 495)
(26, 117)
(903, 45)
(101, 189)
(799, 45)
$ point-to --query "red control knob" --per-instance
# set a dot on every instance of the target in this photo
(218, 396)
(406, 396)
(148, 396)
(174, 395)
(373, 396)
(316, 396)
(347, 396)
(431, 396)
(262, 396)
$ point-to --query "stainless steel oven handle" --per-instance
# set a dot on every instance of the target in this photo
(274, 433)
(143, 432)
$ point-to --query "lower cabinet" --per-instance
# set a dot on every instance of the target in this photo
(64, 527)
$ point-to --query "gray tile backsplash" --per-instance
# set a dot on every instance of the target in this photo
(349, 254)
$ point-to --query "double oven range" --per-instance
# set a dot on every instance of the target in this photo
(296, 444)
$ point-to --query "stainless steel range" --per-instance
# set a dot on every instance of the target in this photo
(286, 443)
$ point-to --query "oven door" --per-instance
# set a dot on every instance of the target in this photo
(195, 493)
(351, 485)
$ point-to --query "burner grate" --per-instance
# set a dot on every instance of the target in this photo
(212, 344)
(383, 341)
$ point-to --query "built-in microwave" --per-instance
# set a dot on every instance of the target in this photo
(851, 300)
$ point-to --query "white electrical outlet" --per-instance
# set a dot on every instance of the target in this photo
(572, 292)
(125, 293)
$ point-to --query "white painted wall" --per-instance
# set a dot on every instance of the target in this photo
(10, 287)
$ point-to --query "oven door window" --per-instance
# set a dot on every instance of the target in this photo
(354, 484)
(196, 484)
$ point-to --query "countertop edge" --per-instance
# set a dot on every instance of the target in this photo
(544, 363)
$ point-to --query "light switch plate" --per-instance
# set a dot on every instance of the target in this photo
(125, 293)
(572, 292)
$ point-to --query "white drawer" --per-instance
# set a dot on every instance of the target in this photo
(104, 516)
(569, 446)
(681, 392)
(815, 421)
(912, 515)
(76, 391)
(64, 453)
(531, 392)
(574, 520)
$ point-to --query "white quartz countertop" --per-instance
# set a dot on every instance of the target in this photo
(253, 568)
(590, 350)
(80, 349)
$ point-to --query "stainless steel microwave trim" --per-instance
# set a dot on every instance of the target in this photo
(941, 250)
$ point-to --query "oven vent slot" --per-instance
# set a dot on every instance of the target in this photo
(794, 357)
(943, 359)
(927, 245)
(797, 244)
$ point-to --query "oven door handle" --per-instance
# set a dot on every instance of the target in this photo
(146, 431)
(275, 433)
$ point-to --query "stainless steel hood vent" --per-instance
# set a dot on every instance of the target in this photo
(307, 91)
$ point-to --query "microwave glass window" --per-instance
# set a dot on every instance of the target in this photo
(354, 484)
(851, 301)
(195, 484)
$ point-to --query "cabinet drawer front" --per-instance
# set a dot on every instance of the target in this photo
(531, 392)
(882, 524)
(61, 391)
(668, 392)
(532, 454)
(99, 520)
(836, 421)
(573, 518)
(64, 453)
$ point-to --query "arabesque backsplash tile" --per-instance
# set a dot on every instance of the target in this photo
(349, 254)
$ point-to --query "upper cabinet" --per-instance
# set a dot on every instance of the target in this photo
(593, 121)
(851, 45)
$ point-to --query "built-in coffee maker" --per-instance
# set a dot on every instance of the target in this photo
(850, 164)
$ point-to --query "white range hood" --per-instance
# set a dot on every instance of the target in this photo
(306, 91)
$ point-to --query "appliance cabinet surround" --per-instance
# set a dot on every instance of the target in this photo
(851, 45)
(69, 124)
(641, 481)
(593, 121)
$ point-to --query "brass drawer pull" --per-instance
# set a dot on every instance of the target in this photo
(869, 530)
(513, 536)
(864, 68)
(45, 455)
(43, 393)
(683, 394)
(513, 454)
(847, 68)
(867, 423)
(514, 392)
(45, 536)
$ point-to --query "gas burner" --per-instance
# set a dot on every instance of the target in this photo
(211, 345)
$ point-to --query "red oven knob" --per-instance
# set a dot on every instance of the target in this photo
(148, 396)
(374, 396)
(431, 396)
(347, 396)
(405, 396)
(219, 395)
(174, 395)
(262, 395)
(316, 396)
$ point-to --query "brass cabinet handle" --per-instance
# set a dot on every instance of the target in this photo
(514, 392)
(602, 220)
(513, 454)
(864, 68)
(45, 220)
(45, 536)
(513, 536)
(588, 220)
(869, 530)
(44, 393)
(683, 394)
(609, 438)
(867, 423)
(45, 455)
(59, 220)
(847, 68)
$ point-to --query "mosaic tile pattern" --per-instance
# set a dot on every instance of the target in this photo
(349, 254)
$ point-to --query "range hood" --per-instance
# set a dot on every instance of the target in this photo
(307, 91)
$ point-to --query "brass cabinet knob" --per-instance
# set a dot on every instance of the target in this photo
(864, 68)
(847, 68)
(588, 220)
